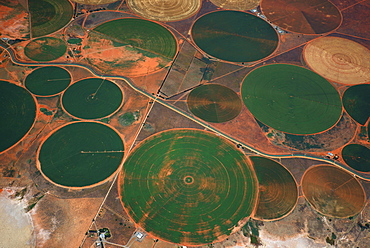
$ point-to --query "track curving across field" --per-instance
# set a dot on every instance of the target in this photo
(291, 99)
(92, 98)
(214, 103)
(188, 187)
(278, 192)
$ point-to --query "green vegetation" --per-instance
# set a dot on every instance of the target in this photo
(45, 49)
(48, 81)
(331, 240)
(48, 16)
(356, 102)
(92, 98)
(214, 103)
(128, 118)
(18, 113)
(291, 99)
(32, 203)
(279, 194)
(240, 37)
(81, 154)
(251, 229)
(74, 41)
(182, 185)
(144, 35)
(357, 157)
(46, 111)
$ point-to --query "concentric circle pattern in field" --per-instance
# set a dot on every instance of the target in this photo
(94, 2)
(214, 103)
(278, 193)
(48, 81)
(340, 60)
(291, 99)
(48, 16)
(130, 47)
(356, 101)
(18, 113)
(236, 4)
(165, 10)
(92, 98)
(333, 192)
(188, 186)
(45, 49)
(238, 37)
(302, 16)
(81, 154)
(357, 157)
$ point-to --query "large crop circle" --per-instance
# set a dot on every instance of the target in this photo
(333, 192)
(278, 193)
(92, 98)
(45, 49)
(291, 99)
(234, 36)
(337, 59)
(81, 154)
(236, 4)
(130, 47)
(18, 113)
(214, 103)
(48, 81)
(302, 16)
(188, 186)
(48, 16)
(165, 10)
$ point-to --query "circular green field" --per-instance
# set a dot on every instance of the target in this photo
(18, 113)
(238, 37)
(149, 37)
(356, 101)
(291, 99)
(278, 193)
(188, 187)
(48, 81)
(357, 157)
(81, 154)
(92, 98)
(214, 103)
(48, 16)
(45, 49)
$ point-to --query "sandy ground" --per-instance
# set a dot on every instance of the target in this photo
(16, 225)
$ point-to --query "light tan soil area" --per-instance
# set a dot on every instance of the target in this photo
(16, 226)
(57, 220)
